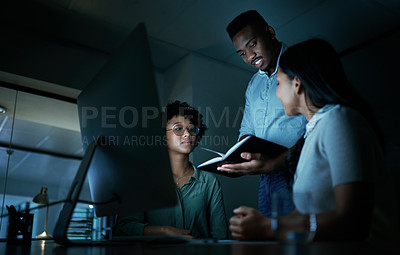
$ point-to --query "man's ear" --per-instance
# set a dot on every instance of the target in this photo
(271, 31)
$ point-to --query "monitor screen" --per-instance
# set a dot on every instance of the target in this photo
(131, 166)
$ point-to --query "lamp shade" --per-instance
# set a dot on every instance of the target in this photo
(42, 198)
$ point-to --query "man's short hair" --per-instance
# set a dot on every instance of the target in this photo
(251, 17)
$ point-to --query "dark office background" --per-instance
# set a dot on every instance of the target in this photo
(51, 49)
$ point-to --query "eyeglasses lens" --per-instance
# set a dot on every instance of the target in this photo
(180, 130)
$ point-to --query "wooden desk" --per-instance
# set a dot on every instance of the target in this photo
(39, 247)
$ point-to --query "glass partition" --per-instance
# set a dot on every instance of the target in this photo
(40, 145)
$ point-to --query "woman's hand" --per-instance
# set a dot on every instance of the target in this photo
(250, 224)
(166, 230)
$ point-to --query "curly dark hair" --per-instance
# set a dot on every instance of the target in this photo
(178, 108)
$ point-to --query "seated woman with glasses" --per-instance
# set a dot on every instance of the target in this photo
(200, 211)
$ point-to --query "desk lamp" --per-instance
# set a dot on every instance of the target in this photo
(43, 199)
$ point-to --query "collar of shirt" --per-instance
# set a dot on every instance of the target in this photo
(196, 174)
(263, 73)
(317, 116)
(193, 179)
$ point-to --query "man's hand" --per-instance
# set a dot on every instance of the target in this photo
(250, 224)
(258, 163)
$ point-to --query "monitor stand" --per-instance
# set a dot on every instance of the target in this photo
(60, 230)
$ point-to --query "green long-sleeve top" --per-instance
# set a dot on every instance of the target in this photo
(200, 209)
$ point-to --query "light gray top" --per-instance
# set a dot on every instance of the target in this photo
(341, 147)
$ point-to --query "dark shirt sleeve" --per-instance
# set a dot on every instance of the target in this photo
(217, 217)
(132, 225)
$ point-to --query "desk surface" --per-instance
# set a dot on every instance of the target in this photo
(40, 247)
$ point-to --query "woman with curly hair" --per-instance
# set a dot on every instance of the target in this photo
(200, 211)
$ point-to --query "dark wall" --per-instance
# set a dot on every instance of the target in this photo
(374, 71)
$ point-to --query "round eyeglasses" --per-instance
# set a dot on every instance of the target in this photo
(179, 130)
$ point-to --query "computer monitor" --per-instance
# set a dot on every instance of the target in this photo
(129, 169)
